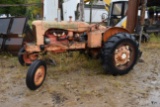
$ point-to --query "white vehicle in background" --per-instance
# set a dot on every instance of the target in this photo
(69, 8)
(113, 10)
(74, 10)
(50, 11)
(99, 9)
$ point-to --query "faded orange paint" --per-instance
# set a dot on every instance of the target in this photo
(77, 45)
(39, 32)
(66, 25)
(94, 32)
(42, 26)
(94, 39)
(112, 31)
(55, 49)
(32, 48)
(61, 48)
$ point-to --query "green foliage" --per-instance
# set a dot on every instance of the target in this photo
(14, 11)
(30, 11)
(154, 8)
(61, 1)
(154, 41)
(154, 38)
(157, 8)
(33, 11)
(74, 61)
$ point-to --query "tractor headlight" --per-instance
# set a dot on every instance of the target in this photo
(47, 40)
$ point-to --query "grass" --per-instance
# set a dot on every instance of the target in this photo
(74, 61)
(80, 87)
(154, 42)
(154, 38)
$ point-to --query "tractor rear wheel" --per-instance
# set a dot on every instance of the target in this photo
(36, 74)
(120, 54)
(25, 58)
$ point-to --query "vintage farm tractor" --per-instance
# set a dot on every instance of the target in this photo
(118, 49)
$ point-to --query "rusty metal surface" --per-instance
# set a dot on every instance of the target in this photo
(12, 45)
(77, 45)
(79, 27)
(112, 31)
(30, 48)
(94, 39)
(122, 55)
(66, 25)
(132, 15)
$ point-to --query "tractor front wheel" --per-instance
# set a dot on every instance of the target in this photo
(36, 74)
(25, 58)
(120, 53)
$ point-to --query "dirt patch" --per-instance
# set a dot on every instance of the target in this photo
(84, 85)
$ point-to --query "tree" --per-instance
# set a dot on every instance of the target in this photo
(34, 11)
(13, 10)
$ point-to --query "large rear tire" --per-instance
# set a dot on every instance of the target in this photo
(120, 54)
(36, 74)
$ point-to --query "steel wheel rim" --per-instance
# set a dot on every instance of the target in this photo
(39, 75)
(124, 56)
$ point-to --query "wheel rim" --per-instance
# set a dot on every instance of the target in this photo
(124, 56)
(29, 58)
(39, 75)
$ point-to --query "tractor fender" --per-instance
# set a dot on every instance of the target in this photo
(112, 31)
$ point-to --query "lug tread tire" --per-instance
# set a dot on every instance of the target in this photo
(108, 51)
(31, 72)
(20, 56)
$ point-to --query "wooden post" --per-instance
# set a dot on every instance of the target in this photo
(142, 19)
(82, 18)
(132, 14)
(91, 11)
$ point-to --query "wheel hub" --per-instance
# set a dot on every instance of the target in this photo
(122, 55)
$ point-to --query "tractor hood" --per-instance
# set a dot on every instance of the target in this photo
(66, 25)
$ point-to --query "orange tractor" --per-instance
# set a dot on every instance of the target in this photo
(117, 48)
